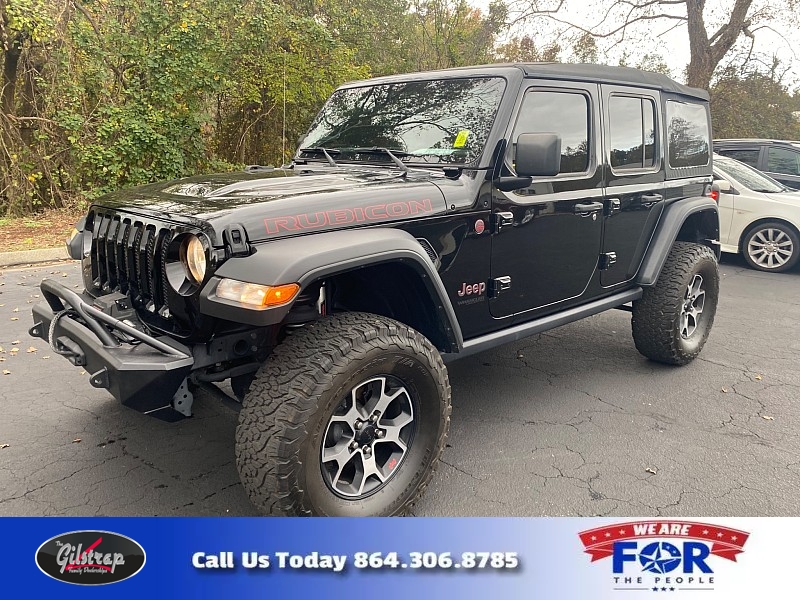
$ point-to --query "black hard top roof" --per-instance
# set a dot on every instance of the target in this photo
(566, 71)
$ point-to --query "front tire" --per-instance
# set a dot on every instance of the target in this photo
(772, 247)
(347, 417)
(672, 319)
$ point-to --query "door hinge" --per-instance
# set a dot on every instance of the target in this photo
(613, 206)
(502, 219)
(607, 259)
(498, 285)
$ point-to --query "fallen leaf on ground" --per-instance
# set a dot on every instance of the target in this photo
(5, 446)
(77, 441)
(16, 309)
(14, 350)
(83, 372)
(6, 372)
(758, 377)
(15, 342)
(1, 350)
(767, 418)
(30, 350)
(45, 357)
(15, 318)
(651, 470)
(64, 275)
(725, 390)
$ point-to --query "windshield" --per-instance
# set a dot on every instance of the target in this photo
(747, 176)
(444, 120)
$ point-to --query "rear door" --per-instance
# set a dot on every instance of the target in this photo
(634, 196)
(783, 164)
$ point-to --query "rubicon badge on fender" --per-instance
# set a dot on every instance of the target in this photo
(90, 557)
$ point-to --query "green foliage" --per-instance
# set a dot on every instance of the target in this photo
(115, 93)
(753, 105)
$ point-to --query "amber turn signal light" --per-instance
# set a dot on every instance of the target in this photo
(254, 294)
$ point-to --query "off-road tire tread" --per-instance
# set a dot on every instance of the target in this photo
(653, 322)
(285, 393)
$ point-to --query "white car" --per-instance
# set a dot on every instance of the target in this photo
(758, 216)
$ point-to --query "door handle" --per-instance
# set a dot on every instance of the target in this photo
(589, 207)
(649, 200)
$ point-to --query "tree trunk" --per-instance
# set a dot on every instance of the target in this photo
(10, 69)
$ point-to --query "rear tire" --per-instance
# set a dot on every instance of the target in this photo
(672, 319)
(328, 392)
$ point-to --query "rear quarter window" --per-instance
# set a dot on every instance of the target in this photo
(688, 135)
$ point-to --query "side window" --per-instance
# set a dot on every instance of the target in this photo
(632, 131)
(783, 160)
(688, 137)
(562, 113)
(748, 157)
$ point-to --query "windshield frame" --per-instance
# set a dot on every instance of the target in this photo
(512, 76)
(720, 161)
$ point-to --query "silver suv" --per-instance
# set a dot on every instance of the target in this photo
(779, 159)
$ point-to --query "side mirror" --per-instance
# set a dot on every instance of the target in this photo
(538, 155)
(723, 185)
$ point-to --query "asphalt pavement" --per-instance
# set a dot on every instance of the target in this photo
(570, 422)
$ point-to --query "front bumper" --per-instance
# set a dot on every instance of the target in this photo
(144, 375)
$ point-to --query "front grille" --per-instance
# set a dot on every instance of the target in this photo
(129, 256)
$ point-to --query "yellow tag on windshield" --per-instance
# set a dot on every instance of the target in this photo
(461, 139)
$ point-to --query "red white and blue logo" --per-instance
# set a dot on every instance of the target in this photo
(663, 555)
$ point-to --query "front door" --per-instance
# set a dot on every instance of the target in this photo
(635, 192)
(547, 236)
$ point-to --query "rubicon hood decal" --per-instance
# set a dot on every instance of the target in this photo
(90, 557)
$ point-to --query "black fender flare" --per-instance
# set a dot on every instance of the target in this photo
(306, 259)
(668, 229)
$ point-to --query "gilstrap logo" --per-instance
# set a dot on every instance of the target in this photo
(90, 557)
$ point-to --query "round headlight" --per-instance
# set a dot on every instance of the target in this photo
(193, 256)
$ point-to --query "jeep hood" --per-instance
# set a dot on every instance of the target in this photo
(284, 202)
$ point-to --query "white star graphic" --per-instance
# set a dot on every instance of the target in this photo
(705, 531)
(719, 535)
(608, 535)
(594, 538)
(734, 538)
(622, 532)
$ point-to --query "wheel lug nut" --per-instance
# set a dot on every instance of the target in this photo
(367, 450)
(380, 433)
(359, 424)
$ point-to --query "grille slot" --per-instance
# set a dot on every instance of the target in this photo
(129, 256)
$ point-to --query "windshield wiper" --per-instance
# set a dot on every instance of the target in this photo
(323, 151)
(393, 155)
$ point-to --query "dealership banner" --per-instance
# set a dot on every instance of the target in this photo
(548, 558)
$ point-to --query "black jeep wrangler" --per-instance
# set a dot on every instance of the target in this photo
(424, 218)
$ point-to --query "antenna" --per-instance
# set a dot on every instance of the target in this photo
(283, 134)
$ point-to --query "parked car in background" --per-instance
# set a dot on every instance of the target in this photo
(777, 158)
(758, 216)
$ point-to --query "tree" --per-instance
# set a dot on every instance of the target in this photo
(753, 105)
(743, 20)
